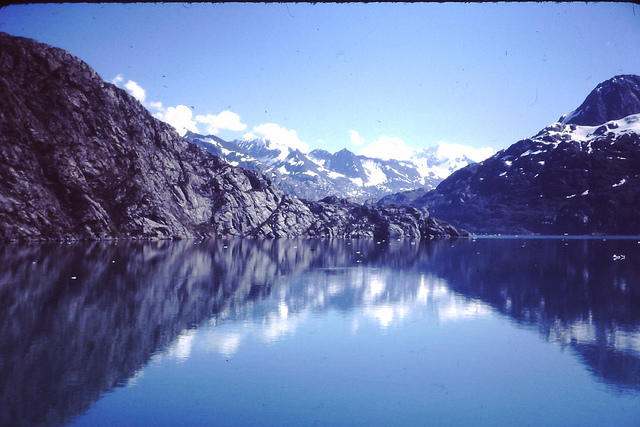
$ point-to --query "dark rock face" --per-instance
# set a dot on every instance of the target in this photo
(83, 159)
(403, 198)
(392, 222)
(565, 179)
(613, 99)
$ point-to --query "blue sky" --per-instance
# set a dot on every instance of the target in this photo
(412, 74)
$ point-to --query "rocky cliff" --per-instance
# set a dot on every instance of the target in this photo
(83, 159)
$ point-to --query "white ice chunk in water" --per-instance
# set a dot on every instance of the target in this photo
(621, 182)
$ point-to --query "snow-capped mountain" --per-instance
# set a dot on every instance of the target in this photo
(581, 174)
(319, 173)
(435, 164)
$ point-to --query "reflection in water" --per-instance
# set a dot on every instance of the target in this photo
(572, 291)
(78, 320)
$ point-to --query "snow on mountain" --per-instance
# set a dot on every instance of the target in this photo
(443, 159)
(553, 140)
(434, 164)
(318, 173)
(374, 173)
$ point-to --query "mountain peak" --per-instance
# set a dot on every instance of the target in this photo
(612, 99)
(344, 153)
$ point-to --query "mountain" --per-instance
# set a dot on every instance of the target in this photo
(317, 174)
(612, 99)
(403, 197)
(440, 162)
(580, 175)
(83, 159)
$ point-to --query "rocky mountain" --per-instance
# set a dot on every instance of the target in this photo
(612, 99)
(403, 197)
(83, 159)
(317, 174)
(580, 175)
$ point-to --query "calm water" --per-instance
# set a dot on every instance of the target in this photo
(486, 332)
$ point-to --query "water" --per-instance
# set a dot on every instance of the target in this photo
(486, 332)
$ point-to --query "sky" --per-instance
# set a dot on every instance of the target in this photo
(379, 79)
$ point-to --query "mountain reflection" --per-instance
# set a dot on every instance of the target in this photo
(77, 320)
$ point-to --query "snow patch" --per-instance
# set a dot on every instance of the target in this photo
(357, 181)
(531, 153)
(375, 175)
(561, 131)
(334, 175)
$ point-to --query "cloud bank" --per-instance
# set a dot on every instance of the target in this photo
(224, 120)
(447, 150)
(385, 147)
(279, 136)
(180, 117)
(392, 147)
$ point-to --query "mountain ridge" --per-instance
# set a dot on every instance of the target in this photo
(82, 159)
(612, 99)
(320, 173)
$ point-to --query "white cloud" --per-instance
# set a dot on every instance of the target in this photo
(280, 136)
(180, 117)
(446, 150)
(388, 147)
(117, 79)
(249, 136)
(132, 87)
(355, 138)
(156, 105)
(135, 90)
(225, 120)
(392, 147)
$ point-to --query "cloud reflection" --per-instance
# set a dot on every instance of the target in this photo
(173, 299)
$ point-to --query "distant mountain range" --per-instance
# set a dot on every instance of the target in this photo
(578, 175)
(317, 174)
